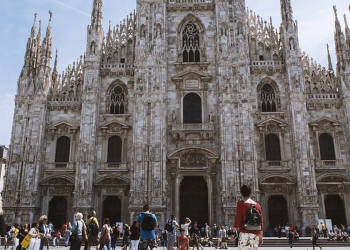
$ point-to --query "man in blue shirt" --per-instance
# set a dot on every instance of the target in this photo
(147, 222)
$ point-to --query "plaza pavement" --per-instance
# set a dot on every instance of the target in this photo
(335, 247)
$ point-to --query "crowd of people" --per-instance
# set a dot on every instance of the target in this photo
(144, 233)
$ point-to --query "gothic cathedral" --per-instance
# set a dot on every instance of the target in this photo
(177, 107)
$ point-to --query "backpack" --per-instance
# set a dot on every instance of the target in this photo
(92, 228)
(252, 219)
(168, 226)
(148, 222)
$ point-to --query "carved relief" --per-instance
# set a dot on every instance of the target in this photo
(193, 160)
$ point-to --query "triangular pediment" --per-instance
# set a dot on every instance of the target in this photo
(114, 125)
(272, 121)
(191, 75)
(325, 120)
(64, 126)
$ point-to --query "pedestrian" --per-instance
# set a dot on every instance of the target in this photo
(147, 221)
(93, 229)
(195, 236)
(290, 238)
(57, 238)
(250, 237)
(78, 228)
(105, 238)
(314, 238)
(186, 225)
(279, 229)
(134, 236)
(66, 236)
(172, 235)
(126, 236)
(236, 237)
(324, 230)
(3, 227)
(182, 240)
(42, 229)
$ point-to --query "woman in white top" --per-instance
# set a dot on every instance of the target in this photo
(186, 225)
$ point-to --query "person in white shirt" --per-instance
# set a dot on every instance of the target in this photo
(186, 226)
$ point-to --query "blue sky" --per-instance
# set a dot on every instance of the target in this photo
(71, 17)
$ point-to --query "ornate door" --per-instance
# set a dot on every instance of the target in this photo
(194, 200)
(58, 211)
(335, 210)
(112, 209)
(278, 211)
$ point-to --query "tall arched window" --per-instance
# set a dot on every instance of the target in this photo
(192, 108)
(191, 43)
(272, 148)
(326, 147)
(114, 149)
(117, 101)
(268, 99)
(62, 149)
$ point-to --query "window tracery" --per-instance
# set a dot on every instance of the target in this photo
(191, 43)
(117, 103)
(268, 99)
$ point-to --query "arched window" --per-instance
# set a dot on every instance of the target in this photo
(117, 101)
(114, 149)
(326, 147)
(268, 99)
(191, 43)
(192, 108)
(272, 148)
(62, 149)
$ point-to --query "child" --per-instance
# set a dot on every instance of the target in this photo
(183, 241)
(57, 238)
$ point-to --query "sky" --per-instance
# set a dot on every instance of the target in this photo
(71, 17)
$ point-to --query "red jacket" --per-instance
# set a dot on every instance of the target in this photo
(241, 212)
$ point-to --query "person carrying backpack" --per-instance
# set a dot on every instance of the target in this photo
(92, 227)
(147, 221)
(249, 220)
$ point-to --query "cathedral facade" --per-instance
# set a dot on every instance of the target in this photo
(177, 107)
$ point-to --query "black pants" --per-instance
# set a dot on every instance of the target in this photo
(314, 243)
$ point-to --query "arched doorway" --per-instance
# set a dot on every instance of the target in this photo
(278, 211)
(58, 211)
(112, 209)
(194, 200)
(335, 210)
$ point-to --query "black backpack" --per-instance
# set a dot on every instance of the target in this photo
(148, 222)
(168, 226)
(252, 219)
(92, 228)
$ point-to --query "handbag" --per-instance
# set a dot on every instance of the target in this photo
(105, 237)
(25, 242)
(73, 238)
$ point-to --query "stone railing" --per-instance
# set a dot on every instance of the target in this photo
(191, 1)
(324, 96)
(117, 69)
(275, 166)
(56, 167)
(329, 165)
(266, 66)
(190, 4)
(193, 126)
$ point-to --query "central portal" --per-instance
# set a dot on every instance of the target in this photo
(194, 200)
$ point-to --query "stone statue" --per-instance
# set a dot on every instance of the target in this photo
(174, 117)
(211, 117)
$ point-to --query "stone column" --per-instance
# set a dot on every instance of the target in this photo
(177, 195)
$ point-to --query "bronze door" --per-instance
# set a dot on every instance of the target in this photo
(278, 211)
(112, 209)
(335, 210)
(194, 200)
(57, 211)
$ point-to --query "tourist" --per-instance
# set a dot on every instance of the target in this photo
(248, 239)
(147, 221)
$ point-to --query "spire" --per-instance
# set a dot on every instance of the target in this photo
(340, 44)
(330, 66)
(96, 16)
(46, 47)
(286, 12)
(55, 72)
(33, 31)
